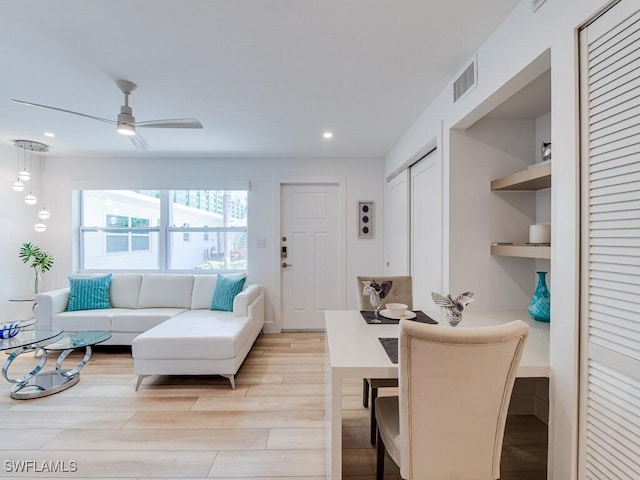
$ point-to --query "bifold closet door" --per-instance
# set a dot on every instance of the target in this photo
(426, 229)
(610, 283)
(397, 225)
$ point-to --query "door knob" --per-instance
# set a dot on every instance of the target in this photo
(285, 265)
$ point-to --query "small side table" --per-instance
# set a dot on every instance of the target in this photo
(54, 381)
(25, 298)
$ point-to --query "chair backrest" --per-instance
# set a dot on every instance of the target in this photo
(401, 290)
(455, 388)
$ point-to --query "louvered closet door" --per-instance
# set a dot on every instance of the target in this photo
(610, 309)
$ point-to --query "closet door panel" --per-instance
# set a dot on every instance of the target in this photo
(397, 225)
(610, 283)
(426, 230)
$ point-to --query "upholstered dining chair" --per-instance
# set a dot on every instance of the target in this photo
(401, 292)
(455, 386)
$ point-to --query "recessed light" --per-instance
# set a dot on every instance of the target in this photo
(327, 135)
(49, 134)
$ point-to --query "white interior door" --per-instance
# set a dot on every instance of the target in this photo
(426, 230)
(311, 274)
(610, 286)
(397, 225)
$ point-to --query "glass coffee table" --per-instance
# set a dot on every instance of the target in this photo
(35, 384)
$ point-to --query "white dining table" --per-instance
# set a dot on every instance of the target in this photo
(354, 351)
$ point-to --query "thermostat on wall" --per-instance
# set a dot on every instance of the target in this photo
(365, 219)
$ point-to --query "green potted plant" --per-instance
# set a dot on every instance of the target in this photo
(40, 262)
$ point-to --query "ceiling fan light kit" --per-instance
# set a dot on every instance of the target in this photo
(125, 122)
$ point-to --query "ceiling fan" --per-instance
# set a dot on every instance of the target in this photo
(126, 122)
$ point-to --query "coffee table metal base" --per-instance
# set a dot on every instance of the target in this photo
(43, 384)
(36, 384)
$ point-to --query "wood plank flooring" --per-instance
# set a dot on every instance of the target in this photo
(197, 427)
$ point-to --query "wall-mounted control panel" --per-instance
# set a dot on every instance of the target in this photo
(365, 219)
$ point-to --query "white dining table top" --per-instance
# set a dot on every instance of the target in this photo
(354, 348)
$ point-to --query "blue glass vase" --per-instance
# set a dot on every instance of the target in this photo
(540, 305)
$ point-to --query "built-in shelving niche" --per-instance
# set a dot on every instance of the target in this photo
(498, 187)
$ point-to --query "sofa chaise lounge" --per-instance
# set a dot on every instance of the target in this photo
(167, 320)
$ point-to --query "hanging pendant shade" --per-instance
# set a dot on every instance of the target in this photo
(17, 186)
(30, 199)
(44, 214)
(39, 227)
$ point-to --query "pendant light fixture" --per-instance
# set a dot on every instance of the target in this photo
(44, 214)
(24, 175)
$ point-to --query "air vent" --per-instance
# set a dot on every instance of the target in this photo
(466, 81)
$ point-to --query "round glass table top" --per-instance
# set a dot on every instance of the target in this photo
(29, 337)
(78, 340)
(23, 298)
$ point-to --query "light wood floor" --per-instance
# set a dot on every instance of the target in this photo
(197, 427)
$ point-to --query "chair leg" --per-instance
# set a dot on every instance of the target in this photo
(380, 453)
(365, 393)
(374, 424)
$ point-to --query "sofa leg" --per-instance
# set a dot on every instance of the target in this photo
(140, 378)
(232, 380)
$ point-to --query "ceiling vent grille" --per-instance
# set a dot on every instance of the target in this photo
(466, 81)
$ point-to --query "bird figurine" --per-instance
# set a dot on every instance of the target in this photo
(453, 308)
(376, 291)
(380, 289)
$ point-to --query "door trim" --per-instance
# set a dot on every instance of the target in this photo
(338, 181)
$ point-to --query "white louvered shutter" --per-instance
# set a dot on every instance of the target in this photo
(610, 309)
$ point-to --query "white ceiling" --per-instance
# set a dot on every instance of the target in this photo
(265, 77)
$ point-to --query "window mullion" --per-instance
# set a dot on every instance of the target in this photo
(164, 237)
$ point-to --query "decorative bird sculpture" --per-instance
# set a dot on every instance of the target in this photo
(376, 291)
(453, 308)
(380, 289)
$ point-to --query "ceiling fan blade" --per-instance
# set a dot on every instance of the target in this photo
(171, 123)
(139, 142)
(31, 104)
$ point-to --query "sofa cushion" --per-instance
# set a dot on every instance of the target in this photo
(226, 290)
(196, 334)
(142, 319)
(125, 290)
(165, 290)
(203, 286)
(81, 320)
(89, 293)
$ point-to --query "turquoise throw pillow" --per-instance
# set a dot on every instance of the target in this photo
(226, 290)
(88, 293)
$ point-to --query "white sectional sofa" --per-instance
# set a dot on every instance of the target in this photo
(167, 321)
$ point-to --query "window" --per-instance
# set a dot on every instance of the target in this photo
(127, 241)
(163, 230)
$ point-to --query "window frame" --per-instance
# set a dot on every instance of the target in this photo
(164, 233)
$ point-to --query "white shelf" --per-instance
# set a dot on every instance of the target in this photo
(534, 178)
(525, 251)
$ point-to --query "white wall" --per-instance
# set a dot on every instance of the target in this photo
(18, 219)
(514, 55)
(364, 180)
(488, 150)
